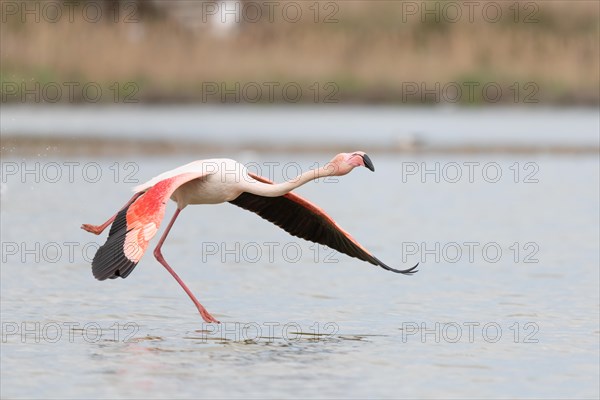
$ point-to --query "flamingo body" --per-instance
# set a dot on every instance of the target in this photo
(221, 183)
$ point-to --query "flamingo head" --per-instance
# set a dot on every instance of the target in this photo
(343, 163)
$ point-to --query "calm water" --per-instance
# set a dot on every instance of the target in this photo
(520, 323)
(335, 125)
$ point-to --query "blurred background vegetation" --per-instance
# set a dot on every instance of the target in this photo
(369, 49)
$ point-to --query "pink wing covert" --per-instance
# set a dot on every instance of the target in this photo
(134, 227)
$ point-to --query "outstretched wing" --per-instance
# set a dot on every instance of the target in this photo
(303, 219)
(134, 227)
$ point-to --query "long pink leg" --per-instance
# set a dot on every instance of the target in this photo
(98, 229)
(157, 253)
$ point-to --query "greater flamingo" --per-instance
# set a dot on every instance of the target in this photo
(216, 181)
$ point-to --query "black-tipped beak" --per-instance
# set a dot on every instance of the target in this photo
(368, 162)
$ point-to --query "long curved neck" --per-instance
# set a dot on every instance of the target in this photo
(279, 189)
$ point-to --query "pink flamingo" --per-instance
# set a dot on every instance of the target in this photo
(216, 181)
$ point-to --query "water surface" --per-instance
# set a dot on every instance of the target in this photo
(378, 336)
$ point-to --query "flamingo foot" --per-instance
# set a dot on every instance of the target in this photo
(95, 229)
(206, 316)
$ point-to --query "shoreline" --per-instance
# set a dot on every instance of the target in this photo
(26, 145)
